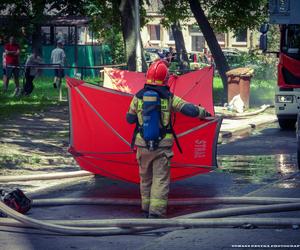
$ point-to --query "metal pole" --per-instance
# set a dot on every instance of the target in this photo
(138, 40)
(60, 83)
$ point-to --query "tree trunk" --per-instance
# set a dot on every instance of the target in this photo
(37, 39)
(37, 20)
(182, 55)
(129, 34)
(209, 35)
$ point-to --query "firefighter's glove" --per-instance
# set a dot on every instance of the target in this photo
(207, 114)
(203, 113)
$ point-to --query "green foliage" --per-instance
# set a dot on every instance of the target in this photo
(174, 11)
(236, 15)
(106, 25)
(273, 37)
(35, 8)
(115, 46)
(25, 16)
(264, 65)
(261, 91)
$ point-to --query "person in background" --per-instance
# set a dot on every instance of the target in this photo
(31, 71)
(3, 67)
(170, 55)
(151, 110)
(160, 53)
(58, 56)
(12, 53)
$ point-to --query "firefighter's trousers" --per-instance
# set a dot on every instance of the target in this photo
(154, 169)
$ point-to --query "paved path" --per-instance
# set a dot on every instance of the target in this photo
(40, 134)
(35, 143)
(38, 142)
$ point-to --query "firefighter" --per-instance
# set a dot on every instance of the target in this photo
(151, 110)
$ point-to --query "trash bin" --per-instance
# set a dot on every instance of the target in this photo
(239, 84)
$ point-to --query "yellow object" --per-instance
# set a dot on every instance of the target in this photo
(156, 81)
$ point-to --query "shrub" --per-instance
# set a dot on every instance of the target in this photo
(264, 65)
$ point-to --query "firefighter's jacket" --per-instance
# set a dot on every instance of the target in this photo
(169, 104)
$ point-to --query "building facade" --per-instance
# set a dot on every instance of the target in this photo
(155, 35)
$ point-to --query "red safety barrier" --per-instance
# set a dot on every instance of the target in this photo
(100, 136)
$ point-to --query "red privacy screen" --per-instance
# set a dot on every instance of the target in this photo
(100, 136)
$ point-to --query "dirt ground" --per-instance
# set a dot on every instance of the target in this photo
(36, 143)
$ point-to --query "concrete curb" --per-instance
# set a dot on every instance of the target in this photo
(245, 114)
(232, 127)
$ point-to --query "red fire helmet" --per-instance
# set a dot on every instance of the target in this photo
(157, 73)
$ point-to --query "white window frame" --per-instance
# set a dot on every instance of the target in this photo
(149, 32)
(234, 42)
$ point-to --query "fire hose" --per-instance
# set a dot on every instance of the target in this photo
(51, 176)
(172, 202)
(126, 226)
(104, 227)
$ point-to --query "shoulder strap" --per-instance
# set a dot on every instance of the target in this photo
(168, 94)
(139, 95)
(135, 132)
(175, 136)
(171, 129)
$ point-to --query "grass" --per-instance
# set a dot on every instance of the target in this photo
(44, 95)
(261, 91)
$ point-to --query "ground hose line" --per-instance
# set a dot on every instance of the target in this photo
(83, 231)
(73, 230)
(226, 212)
(51, 176)
(262, 109)
(122, 223)
(172, 202)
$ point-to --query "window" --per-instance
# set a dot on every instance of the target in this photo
(279, 7)
(292, 36)
(155, 6)
(61, 33)
(198, 43)
(90, 36)
(194, 28)
(220, 37)
(71, 37)
(154, 32)
(46, 35)
(65, 33)
(241, 36)
(291, 40)
(81, 39)
(171, 36)
(197, 39)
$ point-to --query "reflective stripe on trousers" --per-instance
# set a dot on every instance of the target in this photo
(154, 179)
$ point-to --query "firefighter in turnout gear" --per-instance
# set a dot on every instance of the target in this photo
(151, 110)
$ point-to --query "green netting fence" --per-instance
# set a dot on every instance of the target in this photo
(87, 56)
